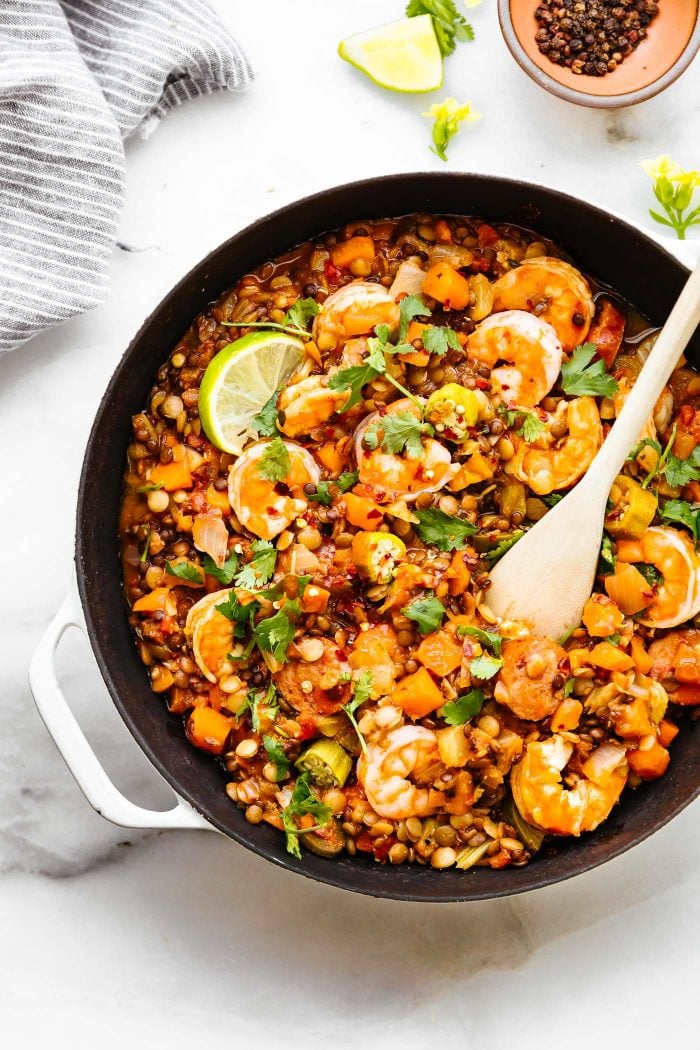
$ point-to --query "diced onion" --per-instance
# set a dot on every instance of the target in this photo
(408, 281)
(210, 535)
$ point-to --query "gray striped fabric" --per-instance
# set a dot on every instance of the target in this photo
(76, 78)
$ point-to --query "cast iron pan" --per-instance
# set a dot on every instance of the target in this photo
(601, 244)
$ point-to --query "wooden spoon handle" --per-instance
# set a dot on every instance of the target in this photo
(672, 341)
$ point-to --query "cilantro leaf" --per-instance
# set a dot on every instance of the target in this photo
(301, 313)
(449, 24)
(277, 755)
(552, 499)
(355, 378)
(153, 487)
(500, 549)
(680, 472)
(410, 307)
(260, 568)
(400, 430)
(488, 638)
(275, 464)
(185, 571)
(227, 571)
(322, 494)
(580, 377)
(682, 512)
(362, 691)
(650, 573)
(427, 612)
(484, 667)
(347, 479)
(461, 710)
(302, 583)
(569, 686)
(265, 423)
(255, 701)
(532, 427)
(443, 531)
(240, 615)
(606, 561)
(274, 634)
(303, 800)
(437, 340)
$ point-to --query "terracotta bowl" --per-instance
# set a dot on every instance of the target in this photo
(668, 50)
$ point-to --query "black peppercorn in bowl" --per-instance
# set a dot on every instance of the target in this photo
(599, 53)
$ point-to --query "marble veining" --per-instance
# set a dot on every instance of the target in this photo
(183, 938)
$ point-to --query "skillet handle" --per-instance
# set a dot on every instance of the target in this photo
(70, 740)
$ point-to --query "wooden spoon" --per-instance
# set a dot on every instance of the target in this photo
(546, 578)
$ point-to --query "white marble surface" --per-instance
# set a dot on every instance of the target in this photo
(111, 935)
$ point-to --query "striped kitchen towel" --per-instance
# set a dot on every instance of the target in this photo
(77, 77)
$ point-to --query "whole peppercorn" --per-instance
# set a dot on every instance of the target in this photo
(592, 37)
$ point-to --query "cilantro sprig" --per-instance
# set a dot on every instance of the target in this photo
(579, 377)
(409, 307)
(228, 570)
(261, 567)
(374, 364)
(265, 423)
(438, 340)
(278, 756)
(362, 691)
(485, 667)
(443, 531)
(185, 570)
(490, 639)
(450, 26)
(678, 472)
(685, 514)
(303, 801)
(274, 633)
(275, 464)
(400, 431)
(464, 708)
(497, 552)
(427, 612)
(294, 322)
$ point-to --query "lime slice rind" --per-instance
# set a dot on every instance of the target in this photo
(403, 56)
(240, 380)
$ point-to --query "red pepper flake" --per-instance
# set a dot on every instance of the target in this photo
(331, 272)
(374, 514)
(483, 384)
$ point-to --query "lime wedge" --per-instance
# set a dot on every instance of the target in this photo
(240, 380)
(401, 56)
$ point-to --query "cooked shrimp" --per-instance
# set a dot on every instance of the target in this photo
(672, 553)
(543, 800)
(676, 655)
(386, 770)
(390, 474)
(319, 685)
(525, 683)
(355, 309)
(210, 634)
(656, 424)
(531, 347)
(267, 507)
(549, 464)
(306, 405)
(555, 291)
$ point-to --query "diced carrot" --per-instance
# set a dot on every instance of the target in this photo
(443, 232)
(649, 764)
(642, 660)
(632, 719)
(416, 357)
(607, 331)
(628, 588)
(154, 601)
(218, 500)
(315, 599)
(477, 468)
(686, 666)
(447, 285)
(313, 351)
(667, 732)
(209, 729)
(567, 715)
(440, 653)
(609, 657)
(417, 694)
(354, 248)
(362, 512)
(458, 575)
(686, 695)
(601, 616)
(171, 476)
